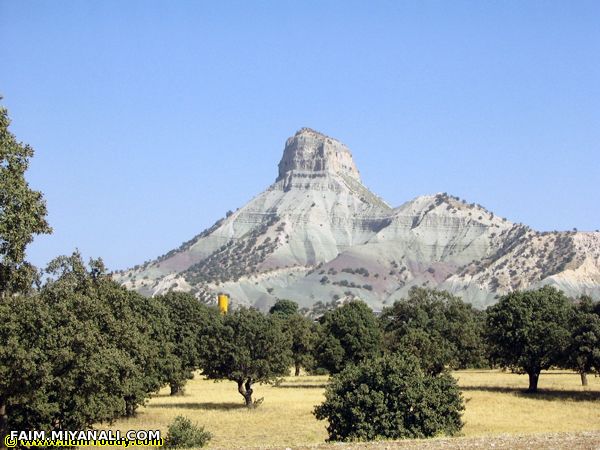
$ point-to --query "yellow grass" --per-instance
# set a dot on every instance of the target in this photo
(495, 403)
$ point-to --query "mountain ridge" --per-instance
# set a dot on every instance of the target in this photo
(318, 234)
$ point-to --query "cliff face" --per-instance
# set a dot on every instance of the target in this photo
(317, 234)
(311, 152)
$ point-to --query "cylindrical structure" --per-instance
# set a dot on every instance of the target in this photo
(223, 303)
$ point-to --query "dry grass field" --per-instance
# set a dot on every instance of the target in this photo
(496, 404)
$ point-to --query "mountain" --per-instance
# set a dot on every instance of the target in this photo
(318, 234)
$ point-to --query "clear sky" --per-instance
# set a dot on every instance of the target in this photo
(151, 119)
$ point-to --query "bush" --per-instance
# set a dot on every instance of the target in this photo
(390, 398)
(183, 433)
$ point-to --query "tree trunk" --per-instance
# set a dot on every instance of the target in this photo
(584, 381)
(246, 391)
(297, 372)
(175, 388)
(533, 381)
(130, 407)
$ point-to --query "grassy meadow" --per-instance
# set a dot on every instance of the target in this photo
(495, 404)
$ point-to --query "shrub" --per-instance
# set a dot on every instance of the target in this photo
(182, 433)
(390, 398)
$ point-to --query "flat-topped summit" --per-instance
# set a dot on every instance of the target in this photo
(311, 151)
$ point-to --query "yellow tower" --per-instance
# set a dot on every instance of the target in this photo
(223, 300)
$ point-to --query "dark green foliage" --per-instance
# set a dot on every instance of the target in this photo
(24, 364)
(303, 332)
(190, 320)
(360, 271)
(22, 212)
(583, 354)
(182, 433)
(348, 335)
(436, 327)
(300, 329)
(284, 307)
(124, 322)
(84, 350)
(247, 347)
(390, 398)
(528, 331)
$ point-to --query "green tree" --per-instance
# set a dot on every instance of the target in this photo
(284, 307)
(436, 327)
(72, 375)
(137, 327)
(189, 321)
(390, 398)
(22, 212)
(22, 216)
(583, 354)
(25, 367)
(84, 350)
(247, 347)
(528, 331)
(301, 331)
(303, 334)
(148, 341)
(348, 335)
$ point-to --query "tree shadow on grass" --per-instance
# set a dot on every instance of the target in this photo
(459, 372)
(300, 386)
(224, 406)
(541, 394)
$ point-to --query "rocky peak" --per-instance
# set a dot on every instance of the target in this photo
(313, 152)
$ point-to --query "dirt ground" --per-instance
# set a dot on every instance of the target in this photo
(583, 440)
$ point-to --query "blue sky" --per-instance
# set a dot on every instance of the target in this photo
(151, 119)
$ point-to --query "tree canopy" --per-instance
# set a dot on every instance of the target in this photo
(22, 212)
(81, 351)
(348, 335)
(247, 347)
(189, 321)
(583, 353)
(437, 328)
(528, 331)
(301, 331)
(284, 307)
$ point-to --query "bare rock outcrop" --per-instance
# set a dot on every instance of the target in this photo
(309, 152)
